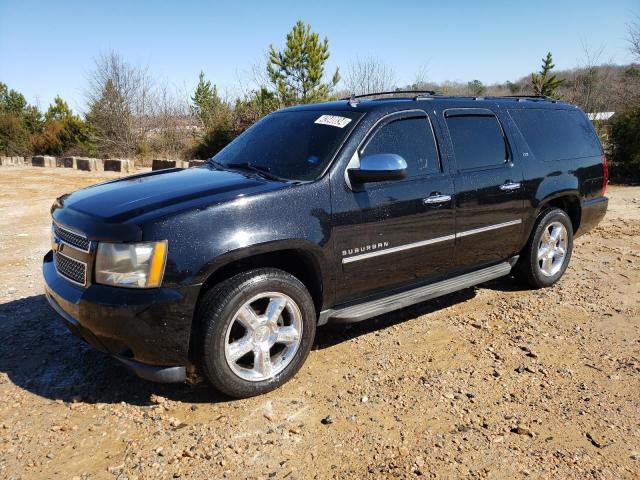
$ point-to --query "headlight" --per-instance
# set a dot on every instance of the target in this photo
(133, 265)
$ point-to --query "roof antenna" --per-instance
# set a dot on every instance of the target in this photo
(352, 100)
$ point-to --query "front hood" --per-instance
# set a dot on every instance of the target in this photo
(124, 199)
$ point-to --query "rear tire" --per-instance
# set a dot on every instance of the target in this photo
(258, 328)
(546, 256)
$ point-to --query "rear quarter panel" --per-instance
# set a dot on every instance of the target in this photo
(545, 180)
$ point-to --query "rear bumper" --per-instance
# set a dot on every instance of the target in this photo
(593, 211)
(147, 330)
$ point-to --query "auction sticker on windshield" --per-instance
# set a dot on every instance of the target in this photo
(333, 120)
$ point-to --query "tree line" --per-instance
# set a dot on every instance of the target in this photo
(130, 114)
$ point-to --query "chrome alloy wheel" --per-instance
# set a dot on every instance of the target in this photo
(552, 249)
(263, 336)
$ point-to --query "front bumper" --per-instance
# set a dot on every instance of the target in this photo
(148, 330)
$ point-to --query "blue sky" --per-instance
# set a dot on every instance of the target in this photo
(47, 47)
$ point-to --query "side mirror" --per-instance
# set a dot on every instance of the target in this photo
(379, 167)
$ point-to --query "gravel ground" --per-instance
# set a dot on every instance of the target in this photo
(492, 382)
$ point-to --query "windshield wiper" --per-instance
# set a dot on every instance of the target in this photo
(216, 164)
(261, 169)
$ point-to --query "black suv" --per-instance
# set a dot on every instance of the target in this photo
(338, 212)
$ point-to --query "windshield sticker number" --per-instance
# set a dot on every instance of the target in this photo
(333, 120)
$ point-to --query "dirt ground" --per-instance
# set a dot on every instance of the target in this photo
(492, 382)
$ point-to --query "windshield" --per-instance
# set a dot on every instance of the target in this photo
(294, 145)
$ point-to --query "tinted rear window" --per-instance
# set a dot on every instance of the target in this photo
(557, 134)
(412, 139)
(477, 140)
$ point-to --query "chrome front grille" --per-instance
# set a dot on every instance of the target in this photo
(73, 239)
(71, 269)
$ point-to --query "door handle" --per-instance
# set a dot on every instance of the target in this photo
(507, 187)
(435, 199)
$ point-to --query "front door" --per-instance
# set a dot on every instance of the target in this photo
(488, 186)
(394, 233)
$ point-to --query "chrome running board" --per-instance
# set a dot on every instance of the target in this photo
(373, 308)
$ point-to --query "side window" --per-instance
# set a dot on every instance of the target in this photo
(557, 134)
(478, 141)
(412, 139)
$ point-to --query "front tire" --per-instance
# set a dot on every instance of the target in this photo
(258, 329)
(546, 256)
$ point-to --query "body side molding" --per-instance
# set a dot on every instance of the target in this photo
(400, 248)
(430, 241)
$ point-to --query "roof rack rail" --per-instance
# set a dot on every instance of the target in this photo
(528, 96)
(531, 97)
(415, 93)
(430, 94)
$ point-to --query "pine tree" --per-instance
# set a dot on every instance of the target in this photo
(476, 87)
(58, 110)
(11, 101)
(624, 142)
(14, 103)
(62, 131)
(544, 83)
(14, 137)
(253, 107)
(297, 72)
(111, 120)
(205, 101)
(514, 88)
(33, 120)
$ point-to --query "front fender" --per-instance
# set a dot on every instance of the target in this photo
(312, 251)
(201, 241)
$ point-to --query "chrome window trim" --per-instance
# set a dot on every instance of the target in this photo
(480, 112)
(63, 275)
(431, 241)
(354, 161)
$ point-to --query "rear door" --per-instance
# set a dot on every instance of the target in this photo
(488, 185)
(391, 234)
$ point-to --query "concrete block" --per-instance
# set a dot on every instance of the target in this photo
(196, 163)
(12, 161)
(118, 165)
(163, 164)
(43, 161)
(67, 162)
(90, 164)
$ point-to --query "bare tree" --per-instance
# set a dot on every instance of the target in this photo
(173, 129)
(121, 99)
(249, 80)
(258, 74)
(420, 80)
(369, 75)
(633, 32)
(590, 83)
